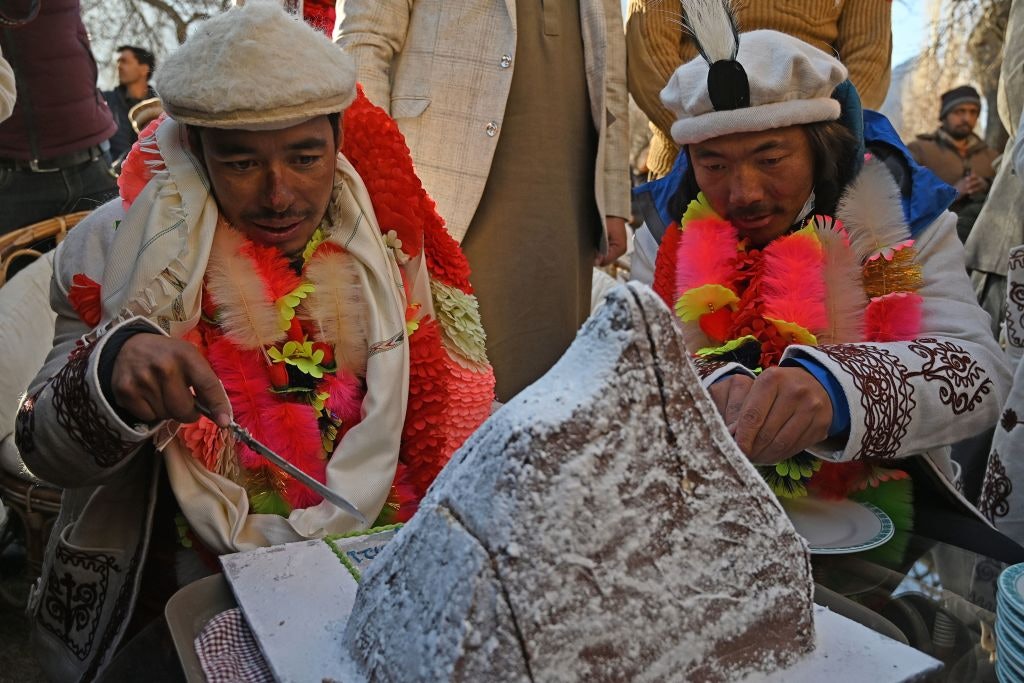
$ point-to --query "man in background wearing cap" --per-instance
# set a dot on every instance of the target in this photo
(841, 278)
(958, 156)
(244, 269)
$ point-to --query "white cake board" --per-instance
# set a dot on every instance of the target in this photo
(847, 652)
(297, 599)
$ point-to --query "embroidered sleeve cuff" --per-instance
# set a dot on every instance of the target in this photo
(710, 370)
(101, 364)
(877, 398)
(113, 341)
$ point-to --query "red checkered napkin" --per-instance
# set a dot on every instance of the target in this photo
(228, 652)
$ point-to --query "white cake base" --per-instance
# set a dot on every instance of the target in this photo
(847, 652)
(297, 598)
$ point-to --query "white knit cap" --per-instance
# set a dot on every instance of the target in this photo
(255, 67)
(791, 83)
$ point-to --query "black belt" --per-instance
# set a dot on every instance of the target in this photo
(55, 164)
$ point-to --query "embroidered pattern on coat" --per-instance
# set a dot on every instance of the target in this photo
(77, 413)
(386, 345)
(1015, 314)
(885, 396)
(118, 616)
(73, 601)
(955, 370)
(995, 490)
(1016, 259)
(25, 426)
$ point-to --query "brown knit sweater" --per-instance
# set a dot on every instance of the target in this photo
(857, 30)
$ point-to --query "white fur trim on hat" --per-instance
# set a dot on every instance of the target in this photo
(791, 83)
(255, 67)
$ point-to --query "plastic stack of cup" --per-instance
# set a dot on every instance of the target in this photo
(1010, 625)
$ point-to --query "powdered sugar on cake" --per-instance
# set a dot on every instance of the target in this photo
(601, 526)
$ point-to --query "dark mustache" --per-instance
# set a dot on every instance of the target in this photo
(274, 216)
(751, 211)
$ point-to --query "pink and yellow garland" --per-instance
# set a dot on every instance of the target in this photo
(806, 287)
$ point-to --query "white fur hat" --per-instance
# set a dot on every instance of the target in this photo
(790, 82)
(255, 67)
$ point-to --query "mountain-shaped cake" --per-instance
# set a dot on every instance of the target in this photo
(601, 526)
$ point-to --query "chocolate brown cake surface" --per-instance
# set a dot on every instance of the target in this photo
(601, 526)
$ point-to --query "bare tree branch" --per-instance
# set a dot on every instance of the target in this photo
(964, 46)
(158, 25)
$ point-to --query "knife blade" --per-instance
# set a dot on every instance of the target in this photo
(243, 435)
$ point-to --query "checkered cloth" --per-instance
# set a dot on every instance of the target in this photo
(228, 652)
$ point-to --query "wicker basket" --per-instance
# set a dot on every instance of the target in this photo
(31, 240)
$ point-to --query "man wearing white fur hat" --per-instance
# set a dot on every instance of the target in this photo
(819, 284)
(244, 268)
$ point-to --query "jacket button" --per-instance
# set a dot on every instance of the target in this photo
(506, 61)
(492, 129)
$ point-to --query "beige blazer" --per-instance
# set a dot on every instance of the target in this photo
(443, 71)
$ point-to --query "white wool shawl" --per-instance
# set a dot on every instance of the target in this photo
(155, 268)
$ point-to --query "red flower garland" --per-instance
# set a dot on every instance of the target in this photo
(84, 297)
(287, 422)
(319, 14)
(664, 284)
(447, 401)
(383, 160)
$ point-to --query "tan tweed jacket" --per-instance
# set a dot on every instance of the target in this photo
(443, 71)
(857, 31)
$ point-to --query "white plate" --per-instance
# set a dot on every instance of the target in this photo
(835, 527)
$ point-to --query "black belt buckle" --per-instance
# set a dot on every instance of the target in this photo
(67, 161)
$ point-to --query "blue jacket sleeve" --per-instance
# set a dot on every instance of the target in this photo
(840, 408)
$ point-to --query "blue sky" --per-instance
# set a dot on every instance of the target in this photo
(908, 29)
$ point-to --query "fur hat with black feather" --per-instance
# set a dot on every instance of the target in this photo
(746, 82)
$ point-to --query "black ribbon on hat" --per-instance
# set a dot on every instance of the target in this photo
(728, 86)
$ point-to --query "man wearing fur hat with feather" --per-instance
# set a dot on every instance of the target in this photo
(819, 283)
(311, 296)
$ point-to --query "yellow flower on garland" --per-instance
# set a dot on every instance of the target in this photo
(793, 333)
(315, 240)
(694, 303)
(698, 209)
(412, 323)
(287, 304)
(727, 347)
(303, 356)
